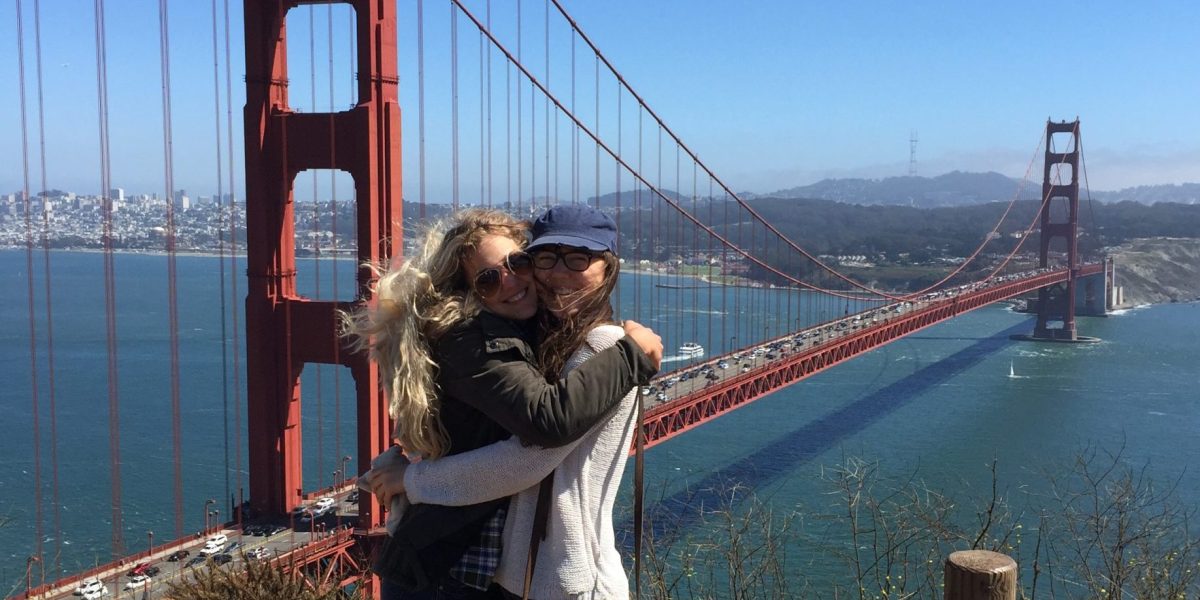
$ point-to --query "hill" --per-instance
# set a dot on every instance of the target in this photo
(966, 189)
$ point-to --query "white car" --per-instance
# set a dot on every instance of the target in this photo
(325, 502)
(259, 553)
(90, 584)
(97, 594)
(137, 581)
(214, 545)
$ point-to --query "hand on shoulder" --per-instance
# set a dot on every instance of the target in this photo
(646, 339)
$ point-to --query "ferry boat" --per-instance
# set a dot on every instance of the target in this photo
(691, 350)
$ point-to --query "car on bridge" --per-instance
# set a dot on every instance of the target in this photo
(96, 593)
(137, 581)
(178, 555)
(214, 545)
(89, 585)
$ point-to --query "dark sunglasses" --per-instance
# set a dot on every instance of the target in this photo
(487, 281)
(574, 259)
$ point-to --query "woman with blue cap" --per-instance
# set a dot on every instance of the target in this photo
(576, 268)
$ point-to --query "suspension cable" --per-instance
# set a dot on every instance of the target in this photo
(221, 214)
(34, 407)
(172, 297)
(51, 379)
(656, 190)
(233, 270)
(114, 422)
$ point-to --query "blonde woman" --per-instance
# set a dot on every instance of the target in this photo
(452, 331)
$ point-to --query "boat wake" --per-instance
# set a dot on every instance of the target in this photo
(677, 358)
(1013, 374)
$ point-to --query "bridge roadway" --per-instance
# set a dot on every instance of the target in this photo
(293, 543)
(676, 402)
(693, 395)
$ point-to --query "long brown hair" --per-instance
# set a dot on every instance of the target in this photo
(561, 337)
(415, 303)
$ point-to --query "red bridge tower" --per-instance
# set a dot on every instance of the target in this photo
(1059, 219)
(285, 331)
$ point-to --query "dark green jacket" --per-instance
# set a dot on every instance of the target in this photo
(490, 388)
(488, 365)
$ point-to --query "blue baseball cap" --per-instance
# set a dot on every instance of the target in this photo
(576, 225)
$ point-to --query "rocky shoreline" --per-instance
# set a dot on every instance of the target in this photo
(1158, 270)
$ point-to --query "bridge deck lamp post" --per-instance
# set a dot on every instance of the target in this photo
(345, 473)
(207, 503)
(29, 573)
(150, 544)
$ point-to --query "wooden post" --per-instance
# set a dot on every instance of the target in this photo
(980, 575)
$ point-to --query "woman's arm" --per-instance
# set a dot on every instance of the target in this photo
(506, 467)
(511, 391)
(495, 471)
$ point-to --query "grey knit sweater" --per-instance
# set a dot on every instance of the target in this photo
(578, 559)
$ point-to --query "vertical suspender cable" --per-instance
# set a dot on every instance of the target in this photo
(316, 239)
(532, 146)
(696, 289)
(483, 150)
(546, 100)
(114, 421)
(50, 376)
(508, 135)
(35, 409)
(489, 104)
(637, 223)
(421, 105)
(725, 271)
(656, 224)
(454, 105)
(597, 130)
(164, 40)
(520, 120)
(222, 215)
(333, 227)
(575, 137)
(233, 262)
(616, 167)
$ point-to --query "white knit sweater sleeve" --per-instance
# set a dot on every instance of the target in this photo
(500, 469)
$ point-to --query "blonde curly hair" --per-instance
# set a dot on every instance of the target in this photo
(414, 303)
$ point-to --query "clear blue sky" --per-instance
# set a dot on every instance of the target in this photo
(769, 94)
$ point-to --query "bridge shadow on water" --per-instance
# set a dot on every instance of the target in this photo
(785, 454)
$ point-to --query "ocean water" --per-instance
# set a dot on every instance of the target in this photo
(940, 403)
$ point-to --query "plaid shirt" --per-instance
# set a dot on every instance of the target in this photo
(478, 564)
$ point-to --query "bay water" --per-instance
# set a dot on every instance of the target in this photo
(942, 403)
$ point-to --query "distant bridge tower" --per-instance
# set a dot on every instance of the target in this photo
(284, 331)
(912, 153)
(1057, 303)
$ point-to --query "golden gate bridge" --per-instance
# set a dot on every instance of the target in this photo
(531, 124)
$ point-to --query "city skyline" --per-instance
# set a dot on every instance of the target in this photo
(787, 95)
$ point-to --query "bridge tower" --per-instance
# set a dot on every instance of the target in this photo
(1059, 219)
(285, 332)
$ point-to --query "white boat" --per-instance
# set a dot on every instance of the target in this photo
(691, 350)
(1011, 373)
